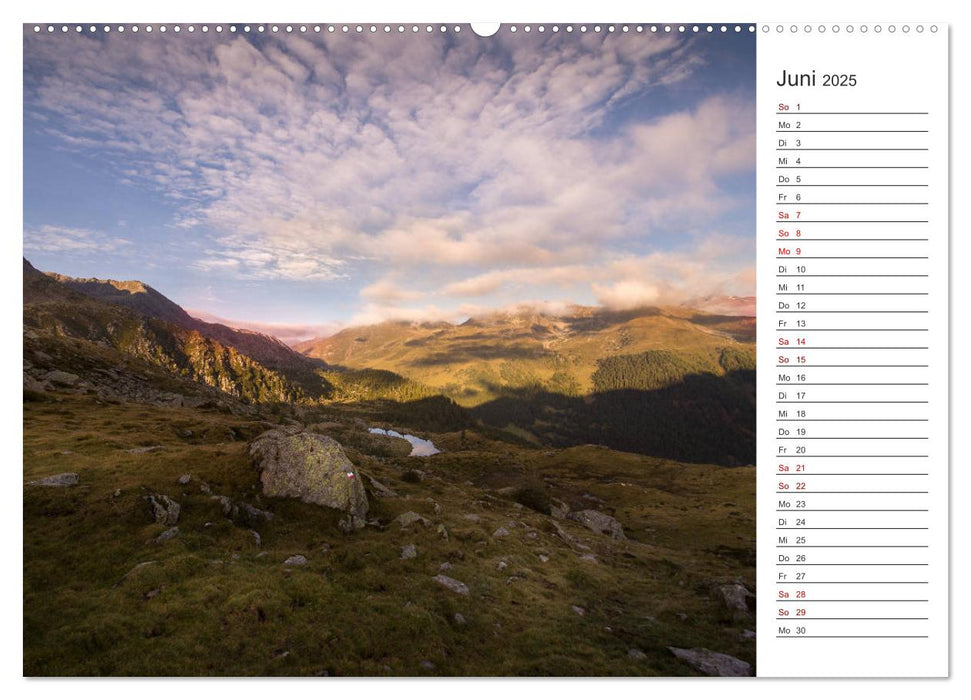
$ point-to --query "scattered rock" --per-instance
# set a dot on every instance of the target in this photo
(32, 384)
(152, 593)
(501, 565)
(543, 558)
(349, 524)
(599, 522)
(164, 509)
(459, 620)
(185, 479)
(514, 578)
(257, 538)
(442, 530)
(736, 598)
(563, 534)
(712, 663)
(578, 610)
(62, 378)
(471, 516)
(226, 502)
(559, 509)
(252, 513)
(428, 665)
(451, 584)
(241, 511)
(747, 634)
(66, 479)
(501, 532)
(301, 464)
(143, 450)
(295, 560)
(409, 551)
(138, 566)
(682, 616)
(445, 566)
(205, 488)
(410, 518)
(589, 557)
(169, 534)
(379, 489)
(636, 655)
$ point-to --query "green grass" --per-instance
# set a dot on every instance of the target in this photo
(213, 603)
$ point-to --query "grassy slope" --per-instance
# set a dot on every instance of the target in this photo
(472, 363)
(357, 609)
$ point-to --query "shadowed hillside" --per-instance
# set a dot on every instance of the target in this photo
(266, 350)
(52, 308)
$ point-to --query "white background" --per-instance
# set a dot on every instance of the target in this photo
(15, 13)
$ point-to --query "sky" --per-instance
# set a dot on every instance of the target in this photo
(314, 181)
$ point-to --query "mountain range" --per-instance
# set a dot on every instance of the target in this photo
(588, 511)
(668, 381)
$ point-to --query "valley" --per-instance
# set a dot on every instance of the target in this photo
(589, 511)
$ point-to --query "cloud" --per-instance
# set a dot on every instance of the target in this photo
(490, 282)
(388, 292)
(289, 333)
(66, 239)
(627, 294)
(478, 167)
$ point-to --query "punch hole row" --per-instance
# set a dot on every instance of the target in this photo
(848, 28)
(251, 29)
(637, 28)
(398, 28)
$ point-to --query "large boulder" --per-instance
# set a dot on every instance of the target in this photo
(297, 463)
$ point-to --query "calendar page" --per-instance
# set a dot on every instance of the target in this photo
(437, 349)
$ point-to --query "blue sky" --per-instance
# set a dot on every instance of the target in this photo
(320, 180)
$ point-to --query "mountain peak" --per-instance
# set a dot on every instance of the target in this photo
(133, 294)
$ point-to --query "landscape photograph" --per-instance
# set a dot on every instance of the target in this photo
(388, 351)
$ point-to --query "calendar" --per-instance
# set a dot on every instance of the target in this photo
(448, 349)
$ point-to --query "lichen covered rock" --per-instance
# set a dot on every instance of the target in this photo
(297, 463)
